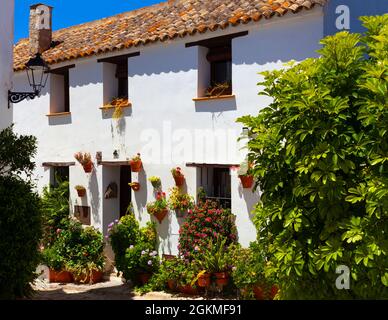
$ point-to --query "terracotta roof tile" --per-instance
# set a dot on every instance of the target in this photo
(167, 20)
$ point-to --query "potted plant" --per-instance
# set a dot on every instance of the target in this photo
(135, 186)
(136, 163)
(178, 176)
(85, 159)
(142, 260)
(156, 182)
(158, 208)
(187, 283)
(81, 191)
(180, 202)
(53, 259)
(245, 175)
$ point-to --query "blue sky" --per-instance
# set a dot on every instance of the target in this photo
(71, 12)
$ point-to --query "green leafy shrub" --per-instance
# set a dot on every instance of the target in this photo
(320, 156)
(55, 211)
(20, 216)
(134, 247)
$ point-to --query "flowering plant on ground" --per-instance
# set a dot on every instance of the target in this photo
(83, 158)
(159, 204)
(177, 172)
(180, 201)
(140, 258)
(205, 223)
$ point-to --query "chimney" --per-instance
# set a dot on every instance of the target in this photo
(40, 28)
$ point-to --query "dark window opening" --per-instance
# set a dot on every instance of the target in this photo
(58, 176)
(217, 185)
(220, 59)
(122, 79)
(64, 84)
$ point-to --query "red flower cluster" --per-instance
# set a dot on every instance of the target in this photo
(203, 224)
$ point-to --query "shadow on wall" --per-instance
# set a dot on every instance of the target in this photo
(141, 195)
(216, 106)
(95, 197)
(250, 197)
(60, 120)
(166, 58)
(282, 41)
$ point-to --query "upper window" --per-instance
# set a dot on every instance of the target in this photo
(220, 59)
(115, 80)
(60, 90)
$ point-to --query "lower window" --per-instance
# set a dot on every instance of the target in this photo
(58, 175)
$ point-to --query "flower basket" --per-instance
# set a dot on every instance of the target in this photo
(160, 215)
(179, 181)
(135, 186)
(136, 165)
(90, 278)
(204, 280)
(88, 167)
(144, 278)
(246, 181)
(222, 278)
(81, 192)
(60, 276)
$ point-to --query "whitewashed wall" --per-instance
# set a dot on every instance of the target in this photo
(164, 122)
(6, 45)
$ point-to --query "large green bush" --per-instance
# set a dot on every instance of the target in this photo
(320, 154)
(20, 217)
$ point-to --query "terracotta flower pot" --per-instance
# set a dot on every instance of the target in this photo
(161, 215)
(81, 192)
(136, 166)
(88, 167)
(172, 285)
(179, 180)
(135, 186)
(144, 278)
(188, 289)
(222, 278)
(204, 280)
(274, 291)
(259, 292)
(246, 181)
(94, 277)
(60, 276)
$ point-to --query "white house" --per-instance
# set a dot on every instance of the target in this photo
(162, 58)
(6, 72)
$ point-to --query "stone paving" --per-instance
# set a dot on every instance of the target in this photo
(113, 289)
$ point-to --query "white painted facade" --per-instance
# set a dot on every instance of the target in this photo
(6, 57)
(164, 124)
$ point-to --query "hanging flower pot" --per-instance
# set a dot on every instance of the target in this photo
(135, 186)
(60, 276)
(246, 181)
(136, 163)
(178, 176)
(222, 278)
(204, 280)
(81, 191)
(160, 215)
(88, 167)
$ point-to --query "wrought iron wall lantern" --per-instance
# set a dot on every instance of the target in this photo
(37, 73)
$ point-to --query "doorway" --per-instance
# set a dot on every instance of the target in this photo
(125, 189)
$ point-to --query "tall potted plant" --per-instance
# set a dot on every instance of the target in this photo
(85, 159)
(158, 208)
(136, 163)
